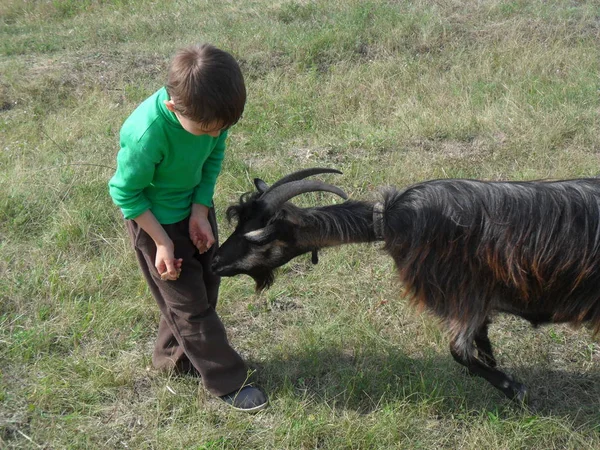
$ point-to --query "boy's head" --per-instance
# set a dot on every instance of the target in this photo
(206, 89)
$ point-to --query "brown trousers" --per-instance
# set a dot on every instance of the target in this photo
(190, 330)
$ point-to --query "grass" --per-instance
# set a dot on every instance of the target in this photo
(390, 93)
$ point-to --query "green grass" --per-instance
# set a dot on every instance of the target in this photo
(388, 92)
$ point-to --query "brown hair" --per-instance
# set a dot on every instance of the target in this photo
(207, 85)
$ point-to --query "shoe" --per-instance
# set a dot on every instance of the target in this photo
(246, 399)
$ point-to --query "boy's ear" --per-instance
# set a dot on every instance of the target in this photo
(170, 105)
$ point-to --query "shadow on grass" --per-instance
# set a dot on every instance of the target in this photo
(365, 382)
(557, 392)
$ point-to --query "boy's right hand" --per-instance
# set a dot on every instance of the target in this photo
(168, 267)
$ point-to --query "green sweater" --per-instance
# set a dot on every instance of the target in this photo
(161, 167)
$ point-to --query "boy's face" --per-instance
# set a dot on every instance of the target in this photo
(195, 128)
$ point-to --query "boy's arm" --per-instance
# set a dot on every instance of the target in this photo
(155, 230)
(200, 230)
(203, 193)
(166, 264)
(135, 170)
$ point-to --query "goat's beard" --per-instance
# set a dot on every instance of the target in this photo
(263, 279)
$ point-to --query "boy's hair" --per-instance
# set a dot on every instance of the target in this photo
(207, 85)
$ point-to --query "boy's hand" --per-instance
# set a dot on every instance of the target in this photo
(200, 230)
(168, 267)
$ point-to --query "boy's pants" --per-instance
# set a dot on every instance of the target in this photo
(190, 329)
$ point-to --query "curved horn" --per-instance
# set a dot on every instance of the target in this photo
(301, 174)
(276, 197)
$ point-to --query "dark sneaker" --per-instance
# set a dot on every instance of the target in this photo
(247, 399)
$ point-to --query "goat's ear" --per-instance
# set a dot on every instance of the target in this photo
(261, 236)
(261, 186)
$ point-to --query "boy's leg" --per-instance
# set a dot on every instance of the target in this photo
(188, 312)
(168, 354)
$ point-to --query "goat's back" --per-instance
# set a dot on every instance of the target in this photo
(466, 247)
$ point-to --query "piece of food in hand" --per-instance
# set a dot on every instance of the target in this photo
(165, 276)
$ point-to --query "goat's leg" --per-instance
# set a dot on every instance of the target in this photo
(484, 346)
(512, 389)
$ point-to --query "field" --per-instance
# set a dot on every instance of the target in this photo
(389, 92)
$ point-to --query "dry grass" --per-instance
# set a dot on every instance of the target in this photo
(388, 92)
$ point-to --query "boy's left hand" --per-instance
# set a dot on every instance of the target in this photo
(200, 230)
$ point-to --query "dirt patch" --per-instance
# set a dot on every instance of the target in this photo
(283, 304)
(337, 154)
(106, 70)
(258, 65)
(6, 106)
(475, 151)
(6, 102)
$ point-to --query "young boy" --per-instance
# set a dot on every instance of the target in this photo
(172, 147)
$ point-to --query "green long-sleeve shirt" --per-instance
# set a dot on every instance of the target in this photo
(161, 167)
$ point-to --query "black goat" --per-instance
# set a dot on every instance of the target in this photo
(464, 249)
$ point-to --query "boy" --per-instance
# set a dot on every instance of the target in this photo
(172, 147)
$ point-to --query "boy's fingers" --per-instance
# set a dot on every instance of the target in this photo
(204, 244)
(166, 276)
(172, 272)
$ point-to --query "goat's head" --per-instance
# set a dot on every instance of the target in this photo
(266, 233)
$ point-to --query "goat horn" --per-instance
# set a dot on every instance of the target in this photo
(301, 174)
(276, 197)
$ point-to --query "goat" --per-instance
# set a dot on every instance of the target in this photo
(464, 249)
